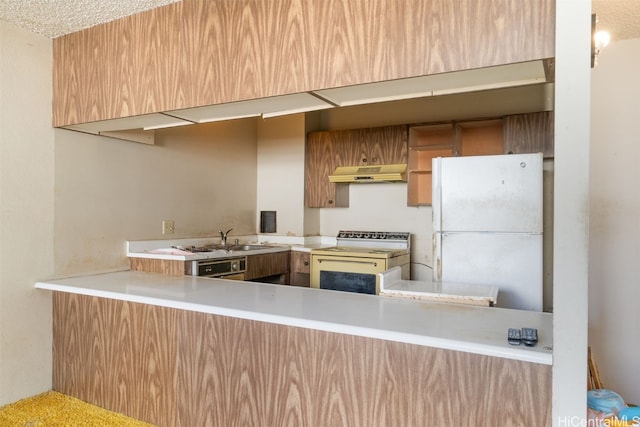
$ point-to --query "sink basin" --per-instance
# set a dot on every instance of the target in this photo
(247, 247)
(231, 248)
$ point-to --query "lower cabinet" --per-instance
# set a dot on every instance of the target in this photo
(300, 269)
(270, 267)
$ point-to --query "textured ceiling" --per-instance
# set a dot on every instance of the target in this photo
(621, 18)
(53, 18)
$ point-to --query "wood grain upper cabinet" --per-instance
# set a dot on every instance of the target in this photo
(208, 52)
(529, 133)
(327, 150)
(321, 160)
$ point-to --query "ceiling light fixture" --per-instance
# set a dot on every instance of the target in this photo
(599, 40)
(602, 39)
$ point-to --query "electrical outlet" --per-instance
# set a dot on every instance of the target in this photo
(167, 226)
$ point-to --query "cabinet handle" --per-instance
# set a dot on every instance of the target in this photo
(330, 202)
(375, 160)
(364, 160)
(306, 263)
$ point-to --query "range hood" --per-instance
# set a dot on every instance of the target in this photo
(378, 173)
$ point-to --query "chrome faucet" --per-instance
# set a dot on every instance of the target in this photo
(223, 236)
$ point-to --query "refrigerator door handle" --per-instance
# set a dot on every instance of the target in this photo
(436, 193)
(437, 257)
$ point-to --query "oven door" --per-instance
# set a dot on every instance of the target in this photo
(350, 274)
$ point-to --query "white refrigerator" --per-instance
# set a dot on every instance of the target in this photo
(487, 225)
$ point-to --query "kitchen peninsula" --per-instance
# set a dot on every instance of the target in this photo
(185, 350)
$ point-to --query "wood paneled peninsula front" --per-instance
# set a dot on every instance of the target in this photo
(191, 351)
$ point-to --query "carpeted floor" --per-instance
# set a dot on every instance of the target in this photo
(53, 409)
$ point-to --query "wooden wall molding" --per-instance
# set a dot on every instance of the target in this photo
(180, 368)
(202, 52)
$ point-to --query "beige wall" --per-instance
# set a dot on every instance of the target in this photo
(26, 212)
(383, 206)
(108, 191)
(614, 283)
(281, 172)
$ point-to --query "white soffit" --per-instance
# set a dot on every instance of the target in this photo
(54, 18)
(146, 122)
(265, 107)
(524, 73)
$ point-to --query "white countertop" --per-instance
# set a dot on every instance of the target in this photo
(473, 329)
(164, 249)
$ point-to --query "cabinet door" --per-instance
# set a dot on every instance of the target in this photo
(266, 265)
(529, 133)
(322, 158)
(372, 146)
(384, 145)
(300, 268)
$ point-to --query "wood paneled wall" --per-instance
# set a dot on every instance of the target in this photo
(180, 368)
(202, 52)
(117, 355)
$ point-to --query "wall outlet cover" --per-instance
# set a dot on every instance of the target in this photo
(167, 226)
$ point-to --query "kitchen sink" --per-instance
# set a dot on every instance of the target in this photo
(218, 247)
(236, 248)
(247, 247)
